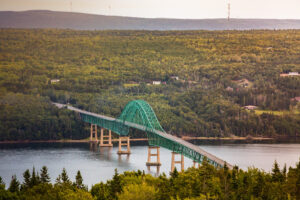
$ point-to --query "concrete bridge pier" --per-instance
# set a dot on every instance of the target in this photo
(124, 141)
(94, 134)
(151, 154)
(105, 140)
(173, 161)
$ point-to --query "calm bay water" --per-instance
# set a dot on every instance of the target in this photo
(98, 164)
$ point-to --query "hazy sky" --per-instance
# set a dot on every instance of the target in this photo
(282, 9)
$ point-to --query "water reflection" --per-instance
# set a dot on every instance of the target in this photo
(93, 146)
(156, 172)
(121, 158)
(106, 152)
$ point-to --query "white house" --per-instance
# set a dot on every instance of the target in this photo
(175, 78)
(293, 74)
(156, 82)
(54, 81)
(250, 107)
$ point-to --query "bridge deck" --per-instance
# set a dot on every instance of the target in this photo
(160, 133)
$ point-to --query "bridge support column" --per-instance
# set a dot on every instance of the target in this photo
(173, 162)
(157, 155)
(93, 135)
(122, 143)
(105, 140)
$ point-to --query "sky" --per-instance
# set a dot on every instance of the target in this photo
(187, 9)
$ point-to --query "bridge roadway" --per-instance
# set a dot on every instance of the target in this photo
(191, 146)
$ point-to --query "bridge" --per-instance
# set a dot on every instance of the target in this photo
(138, 114)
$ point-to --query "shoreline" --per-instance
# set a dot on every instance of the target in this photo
(142, 139)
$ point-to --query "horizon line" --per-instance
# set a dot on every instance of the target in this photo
(97, 14)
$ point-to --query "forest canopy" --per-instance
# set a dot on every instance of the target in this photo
(206, 79)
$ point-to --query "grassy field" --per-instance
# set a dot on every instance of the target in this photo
(278, 113)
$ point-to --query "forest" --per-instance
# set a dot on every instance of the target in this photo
(206, 79)
(203, 183)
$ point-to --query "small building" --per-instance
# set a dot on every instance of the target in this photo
(284, 75)
(229, 89)
(156, 82)
(250, 107)
(54, 81)
(243, 83)
(289, 74)
(269, 48)
(293, 74)
(175, 78)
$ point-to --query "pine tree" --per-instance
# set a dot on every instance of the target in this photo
(45, 178)
(298, 181)
(34, 178)
(58, 179)
(14, 184)
(284, 171)
(174, 174)
(258, 187)
(115, 184)
(276, 174)
(27, 179)
(64, 177)
(79, 180)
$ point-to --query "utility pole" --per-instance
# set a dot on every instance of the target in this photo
(228, 11)
(71, 6)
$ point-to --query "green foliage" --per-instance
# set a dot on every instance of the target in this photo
(14, 185)
(96, 68)
(27, 180)
(28, 117)
(2, 184)
(45, 178)
(137, 192)
(204, 182)
(79, 181)
(63, 178)
(43, 190)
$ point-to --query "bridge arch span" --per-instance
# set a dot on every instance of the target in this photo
(141, 113)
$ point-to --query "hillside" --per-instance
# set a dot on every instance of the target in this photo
(80, 21)
(219, 72)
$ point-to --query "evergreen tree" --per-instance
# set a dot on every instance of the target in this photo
(174, 174)
(298, 181)
(27, 180)
(79, 180)
(234, 180)
(45, 178)
(115, 184)
(284, 171)
(58, 180)
(64, 177)
(35, 179)
(257, 189)
(276, 174)
(14, 184)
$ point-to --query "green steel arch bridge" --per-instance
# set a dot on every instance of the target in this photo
(139, 114)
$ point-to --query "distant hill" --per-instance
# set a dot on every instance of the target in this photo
(80, 21)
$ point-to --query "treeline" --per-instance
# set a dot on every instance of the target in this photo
(218, 73)
(28, 117)
(203, 183)
(37, 186)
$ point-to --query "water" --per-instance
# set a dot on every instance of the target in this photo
(98, 164)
